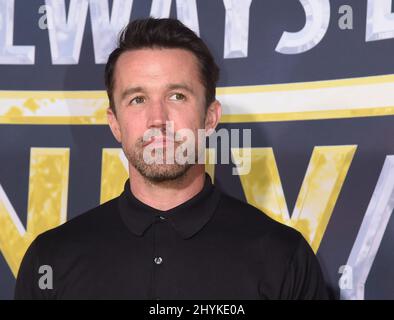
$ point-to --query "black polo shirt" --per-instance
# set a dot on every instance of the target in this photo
(210, 247)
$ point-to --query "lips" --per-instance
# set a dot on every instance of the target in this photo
(158, 141)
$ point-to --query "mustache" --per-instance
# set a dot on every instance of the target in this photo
(153, 133)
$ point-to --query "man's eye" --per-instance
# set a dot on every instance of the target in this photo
(137, 100)
(177, 97)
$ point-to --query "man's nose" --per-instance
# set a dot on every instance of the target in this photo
(157, 114)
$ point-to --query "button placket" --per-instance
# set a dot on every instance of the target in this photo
(159, 256)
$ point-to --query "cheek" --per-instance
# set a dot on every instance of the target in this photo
(191, 119)
(130, 132)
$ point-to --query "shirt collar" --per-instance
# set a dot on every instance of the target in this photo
(187, 218)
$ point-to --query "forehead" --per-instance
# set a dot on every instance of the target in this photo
(156, 64)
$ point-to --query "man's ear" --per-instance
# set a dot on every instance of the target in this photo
(213, 114)
(114, 124)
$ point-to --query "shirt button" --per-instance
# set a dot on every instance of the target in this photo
(158, 260)
(162, 218)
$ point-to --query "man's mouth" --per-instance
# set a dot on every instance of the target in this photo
(158, 142)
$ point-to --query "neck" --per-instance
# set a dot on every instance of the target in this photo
(168, 194)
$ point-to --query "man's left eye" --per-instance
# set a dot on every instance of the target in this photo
(177, 97)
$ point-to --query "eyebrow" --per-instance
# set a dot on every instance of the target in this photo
(174, 86)
(182, 86)
(129, 91)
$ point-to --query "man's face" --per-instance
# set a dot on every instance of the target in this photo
(152, 87)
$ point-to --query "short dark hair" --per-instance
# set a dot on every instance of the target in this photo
(163, 33)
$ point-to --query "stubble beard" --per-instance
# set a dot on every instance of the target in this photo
(156, 173)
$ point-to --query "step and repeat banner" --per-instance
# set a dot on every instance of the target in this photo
(313, 81)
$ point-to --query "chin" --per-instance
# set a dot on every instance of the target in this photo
(164, 173)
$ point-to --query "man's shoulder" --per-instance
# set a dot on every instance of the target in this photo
(252, 222)
(88, 226)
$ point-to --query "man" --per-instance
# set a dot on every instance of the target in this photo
(171, 234)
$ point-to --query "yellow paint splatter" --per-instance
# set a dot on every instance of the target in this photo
(14, 111)
(31, 104)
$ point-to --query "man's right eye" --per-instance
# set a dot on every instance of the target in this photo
(137, 100)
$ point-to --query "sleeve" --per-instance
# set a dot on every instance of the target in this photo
(27, 282)
(304, 279)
